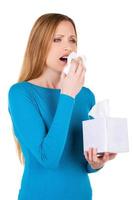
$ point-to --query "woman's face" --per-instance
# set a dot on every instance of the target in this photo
(64, 42)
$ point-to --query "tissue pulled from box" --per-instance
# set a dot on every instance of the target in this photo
(101, 109)
(107, 134)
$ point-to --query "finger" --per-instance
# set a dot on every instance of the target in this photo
(80, 66)
(73, 66)
(112, 156)
(94, 154)
(79, 70)
(112, 153)
(106, 156)
(76, 62)
(89, 155)
(79, 60)
(82, 76)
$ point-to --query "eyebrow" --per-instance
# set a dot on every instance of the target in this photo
(63, 35)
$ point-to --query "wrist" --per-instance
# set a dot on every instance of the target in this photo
(67, 93)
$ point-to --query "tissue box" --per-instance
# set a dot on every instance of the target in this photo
(107, 134)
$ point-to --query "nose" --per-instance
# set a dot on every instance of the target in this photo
(68, 49)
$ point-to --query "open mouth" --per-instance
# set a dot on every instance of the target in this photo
(64, 59)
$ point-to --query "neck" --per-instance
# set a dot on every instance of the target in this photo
(50, 78)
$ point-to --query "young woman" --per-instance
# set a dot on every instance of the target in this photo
(47, 108)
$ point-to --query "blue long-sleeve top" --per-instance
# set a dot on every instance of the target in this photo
(48, 126)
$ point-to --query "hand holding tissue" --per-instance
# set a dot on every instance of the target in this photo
(73, 55)
(107, 134)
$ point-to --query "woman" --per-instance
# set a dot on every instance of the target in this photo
(47, 108)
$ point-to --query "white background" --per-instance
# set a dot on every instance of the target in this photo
(105, 30)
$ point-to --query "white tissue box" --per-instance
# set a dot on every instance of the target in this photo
(107, 134)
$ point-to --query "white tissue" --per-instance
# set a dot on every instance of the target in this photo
(73, 55)
(101, 109)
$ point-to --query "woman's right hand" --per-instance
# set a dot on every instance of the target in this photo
(74, 80)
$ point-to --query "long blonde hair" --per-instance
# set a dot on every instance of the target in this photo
(37, 49)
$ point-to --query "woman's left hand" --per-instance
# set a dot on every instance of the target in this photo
(95, 161)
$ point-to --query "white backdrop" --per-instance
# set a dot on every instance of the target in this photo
(105, 30)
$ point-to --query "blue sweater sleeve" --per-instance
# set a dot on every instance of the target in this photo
(89, 169)
(31, 129)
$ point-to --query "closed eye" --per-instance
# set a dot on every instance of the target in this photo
(74, 41)
(57, 40)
